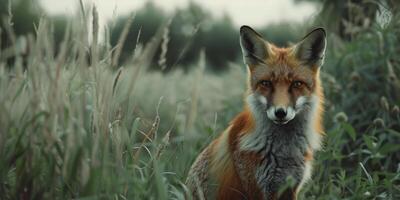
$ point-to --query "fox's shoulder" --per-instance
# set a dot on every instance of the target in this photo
(197, 178)
(242, 123)
(216, 163)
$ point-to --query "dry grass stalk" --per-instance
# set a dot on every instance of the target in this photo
(116, 80)
(195, 93)
(164, 47)
(121, 41)
(187, 44)
(95, 36)
(152, 133)
(144, 60)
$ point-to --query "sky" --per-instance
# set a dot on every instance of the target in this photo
(250, 12)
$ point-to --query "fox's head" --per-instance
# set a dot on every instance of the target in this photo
(283, 81)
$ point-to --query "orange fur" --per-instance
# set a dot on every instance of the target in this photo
(230, 186)
(238, 181)
(308, 156)
(318, 122)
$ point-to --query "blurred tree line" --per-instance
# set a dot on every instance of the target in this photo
(191, 30)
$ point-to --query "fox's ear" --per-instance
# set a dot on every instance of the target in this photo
(254, 48)
(311, 50)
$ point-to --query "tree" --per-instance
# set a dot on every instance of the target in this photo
(24, 14)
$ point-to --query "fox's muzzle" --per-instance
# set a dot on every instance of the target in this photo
(281, 114)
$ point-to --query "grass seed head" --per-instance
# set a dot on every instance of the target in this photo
(341, 117)
(379, 123)
(384, 103)
(355, 76)
(395, 110)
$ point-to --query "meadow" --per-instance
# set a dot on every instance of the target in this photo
(75, 123)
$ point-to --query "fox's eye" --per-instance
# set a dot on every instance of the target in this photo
(266, 83)
(297, 84)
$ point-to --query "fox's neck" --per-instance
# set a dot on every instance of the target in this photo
(298, 132)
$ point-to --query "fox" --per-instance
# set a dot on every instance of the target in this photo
(273, 140)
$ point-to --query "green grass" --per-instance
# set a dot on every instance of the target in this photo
(73, 129)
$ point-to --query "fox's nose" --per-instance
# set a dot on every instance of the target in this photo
(280, 113)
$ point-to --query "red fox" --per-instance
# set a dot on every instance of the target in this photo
(274, 138)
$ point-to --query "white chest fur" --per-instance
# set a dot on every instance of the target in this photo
(282, 147)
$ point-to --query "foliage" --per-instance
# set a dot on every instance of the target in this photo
(73, 129)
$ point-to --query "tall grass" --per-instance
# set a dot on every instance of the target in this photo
(77, 124)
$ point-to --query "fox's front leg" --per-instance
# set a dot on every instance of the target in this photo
(272, 188)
